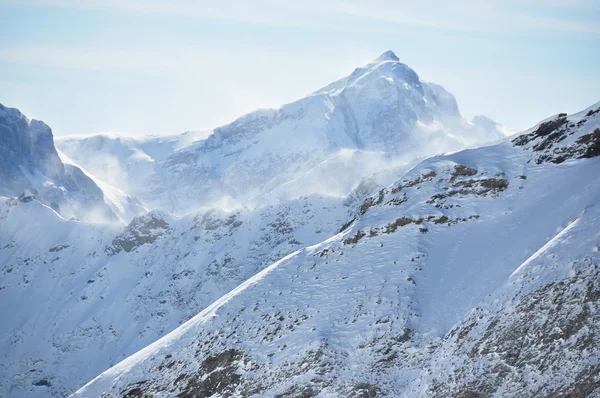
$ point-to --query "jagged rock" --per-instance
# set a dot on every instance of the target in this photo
(140, 231)
(26, 196)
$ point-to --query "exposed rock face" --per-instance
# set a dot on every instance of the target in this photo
(26, 149)
(29, 161)
(141, 230)
(552, 141)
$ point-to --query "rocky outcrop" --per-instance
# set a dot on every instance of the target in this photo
(141, 230)
(552, 141)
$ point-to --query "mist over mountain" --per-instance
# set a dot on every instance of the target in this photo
(381, 113)
(363, 241)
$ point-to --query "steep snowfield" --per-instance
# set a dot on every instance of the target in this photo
(536, 335)
(476, 274)
(382, 113)
(89, 295)
(30, 164)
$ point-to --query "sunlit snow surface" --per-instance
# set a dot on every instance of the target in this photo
(396, 312)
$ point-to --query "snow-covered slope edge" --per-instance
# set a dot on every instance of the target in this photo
(474, 275)
(536, 334)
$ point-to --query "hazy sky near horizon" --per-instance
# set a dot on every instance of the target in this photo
(155, 66)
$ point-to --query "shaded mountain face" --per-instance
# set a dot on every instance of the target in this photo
(382, 113)
(26, 150)
(475, 274)
(30, 162)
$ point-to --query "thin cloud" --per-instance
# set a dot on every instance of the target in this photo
(464, 16)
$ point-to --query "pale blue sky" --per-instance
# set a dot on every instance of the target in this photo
(156, 66)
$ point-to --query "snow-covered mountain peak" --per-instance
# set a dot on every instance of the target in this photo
(386, 66)
(387, 82)
(382, 112)
(387, 56)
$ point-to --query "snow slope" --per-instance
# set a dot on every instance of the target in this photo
(381, 114)
(476, 274)
(89, 295)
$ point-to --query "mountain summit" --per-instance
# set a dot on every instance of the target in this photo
(26, 149)
(381, 113)
(387, 56)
